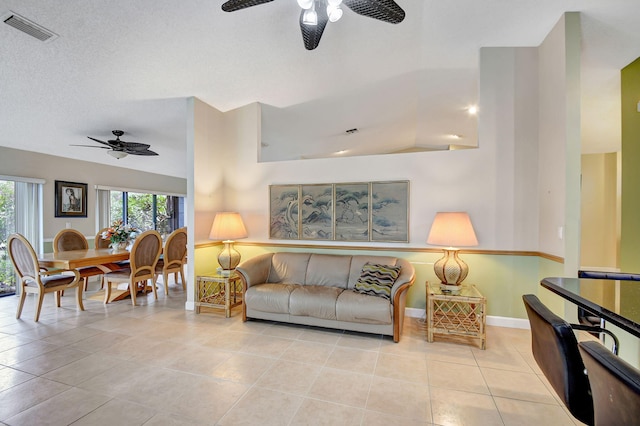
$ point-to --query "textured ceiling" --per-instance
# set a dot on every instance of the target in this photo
(131, 65)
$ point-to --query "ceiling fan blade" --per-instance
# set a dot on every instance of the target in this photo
(91, 146)
(233, 5)
(383, 10)
(146, 152)
(99, 141)
(134, 146)
(311, 34)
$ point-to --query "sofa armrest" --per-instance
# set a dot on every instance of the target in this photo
(405, 279)
(255, 270)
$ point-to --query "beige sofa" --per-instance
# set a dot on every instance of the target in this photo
(318, 290)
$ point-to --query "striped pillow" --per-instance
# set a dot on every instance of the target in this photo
(377, 280)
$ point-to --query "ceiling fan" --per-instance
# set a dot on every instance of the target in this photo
(316, 13)
(120, 149)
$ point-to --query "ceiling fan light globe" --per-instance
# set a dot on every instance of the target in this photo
(305, 4)
(334, 2)
(117, 154)
(334, 13)
(310, 17)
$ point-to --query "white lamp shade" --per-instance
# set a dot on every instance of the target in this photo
(227, 226)
(452, 229)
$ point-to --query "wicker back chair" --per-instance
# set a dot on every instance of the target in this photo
(142, 265)
(34, 280)
(100, 242)
(173, 259)
(70, 239)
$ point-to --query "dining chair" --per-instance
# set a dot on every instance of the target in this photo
(99, 242)
(173, 259)
(555, 349)
(615, 385)
(142, 265)
(71, 239)
(37, 281)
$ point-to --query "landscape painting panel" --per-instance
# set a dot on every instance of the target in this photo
(352, 211)
(317, 212)
(390, 211)
(283, 212)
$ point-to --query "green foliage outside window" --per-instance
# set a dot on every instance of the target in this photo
(141, 213)
(7, 227)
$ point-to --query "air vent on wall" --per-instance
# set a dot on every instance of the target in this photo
(29, 27)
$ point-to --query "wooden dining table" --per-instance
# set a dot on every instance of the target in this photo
(74, 259)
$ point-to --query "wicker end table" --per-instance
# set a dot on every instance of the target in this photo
(219, 291)
(459, 313)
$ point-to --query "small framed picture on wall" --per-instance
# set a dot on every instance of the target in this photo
(70, 199)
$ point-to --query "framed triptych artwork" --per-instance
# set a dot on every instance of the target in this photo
(356, 211)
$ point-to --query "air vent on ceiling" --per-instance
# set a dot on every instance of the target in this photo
(29, 27)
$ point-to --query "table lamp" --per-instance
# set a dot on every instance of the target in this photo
(451, 229)
(227, 227)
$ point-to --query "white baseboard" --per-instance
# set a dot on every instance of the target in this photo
(491, 320)
(414, 312)
(508, 322)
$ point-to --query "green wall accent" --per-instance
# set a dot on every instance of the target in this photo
(502, 279)
(630, 227)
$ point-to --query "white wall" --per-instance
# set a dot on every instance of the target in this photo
(453, 180)
(509, 116)
(205, 145)
(15, 162)
(522, 151)
(208, 170)
(559, 141)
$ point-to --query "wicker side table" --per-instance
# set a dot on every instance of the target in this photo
(219, 291)
(460, 313)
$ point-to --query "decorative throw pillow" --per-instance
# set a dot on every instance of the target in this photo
(377, 280)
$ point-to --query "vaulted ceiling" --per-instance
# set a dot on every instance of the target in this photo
(130, 65)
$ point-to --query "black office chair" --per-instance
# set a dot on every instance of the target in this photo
(615, 386)
(555, 349)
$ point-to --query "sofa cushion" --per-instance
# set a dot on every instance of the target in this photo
(356, 307)
(328, 270)
(357, 262)
(272, 298)
(377, 280)
(290, 268)
(314, 301)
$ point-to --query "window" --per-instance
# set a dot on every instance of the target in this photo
(20, 211)
(164, 213)
(7, 227)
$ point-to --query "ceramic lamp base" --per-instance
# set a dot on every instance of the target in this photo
(229, 257)
(450, 269)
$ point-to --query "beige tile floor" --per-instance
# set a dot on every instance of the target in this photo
(157, 364)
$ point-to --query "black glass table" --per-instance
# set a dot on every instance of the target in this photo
(616, 301)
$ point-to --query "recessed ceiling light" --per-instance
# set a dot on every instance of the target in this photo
(452, 136)
(342, 151)
(473, 110)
